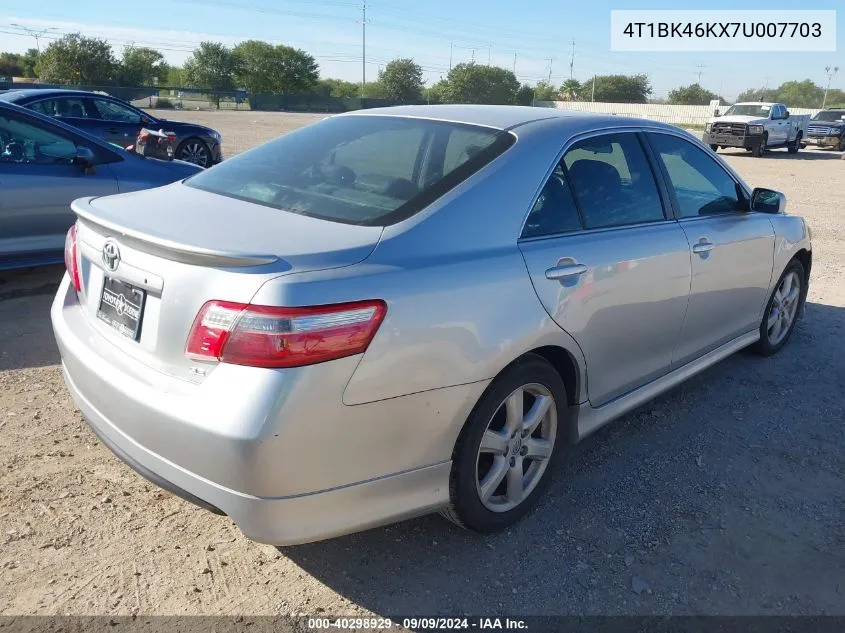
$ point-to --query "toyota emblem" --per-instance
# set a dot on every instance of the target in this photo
(111, 255)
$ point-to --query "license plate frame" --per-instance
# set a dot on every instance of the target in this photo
(121, 306)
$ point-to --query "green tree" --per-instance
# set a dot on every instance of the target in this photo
(436, 93)
(140, 65)
(570, 89)
(402, 80)
(29, 62)
(296, 70)
(173, 77)
(10, 65)
(836, 97)
(375, 90)
(800, 94)
(618, 89)
(545, 92)
(525, 95)
(474, 83)
(211, 65)
(693, 94)
(757, 94)
(337, 88)
(78, 60)
(256, 66)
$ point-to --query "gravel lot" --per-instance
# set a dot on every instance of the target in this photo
(724, 496)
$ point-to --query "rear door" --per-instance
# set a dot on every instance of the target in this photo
(608, 263)
(38, 181)
(732, 250)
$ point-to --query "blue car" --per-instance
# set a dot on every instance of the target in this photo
(45, 165)
(118, 122)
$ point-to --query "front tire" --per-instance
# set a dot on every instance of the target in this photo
(782, 310)
(793, 147)
(760, 149)
(507, 450)
(714, 147)
(842, 143)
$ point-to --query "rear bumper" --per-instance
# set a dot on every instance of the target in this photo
(295, 471)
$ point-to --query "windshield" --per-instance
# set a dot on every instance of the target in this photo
(761, 111)
(369, 170)
(829, 115)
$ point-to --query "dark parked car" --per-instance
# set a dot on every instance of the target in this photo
(827, 129)
(118, 122)
(44, 166)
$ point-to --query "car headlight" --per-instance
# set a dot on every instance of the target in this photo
(755, 129)
(707, 127)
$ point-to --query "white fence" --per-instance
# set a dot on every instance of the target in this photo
(674, 114)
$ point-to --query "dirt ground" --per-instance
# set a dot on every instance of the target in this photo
(724, 496)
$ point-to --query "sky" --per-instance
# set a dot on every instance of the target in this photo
(534, 37)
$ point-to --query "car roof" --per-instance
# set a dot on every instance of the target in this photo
(25, 94)
(502, 117)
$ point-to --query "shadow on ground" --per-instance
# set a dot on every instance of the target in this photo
(724, 496)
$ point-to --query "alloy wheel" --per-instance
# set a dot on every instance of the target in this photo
(516, 447)
(784, 308)
(194, 152)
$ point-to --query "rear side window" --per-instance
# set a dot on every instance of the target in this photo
(612, 181)
(554, 211)
(62, 106)
(368, 170)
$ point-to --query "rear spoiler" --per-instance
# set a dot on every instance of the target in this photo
(164, 248)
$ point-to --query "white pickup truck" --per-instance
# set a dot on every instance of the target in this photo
(757, 127)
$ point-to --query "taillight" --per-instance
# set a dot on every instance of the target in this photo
(264, 336)
(71, 260)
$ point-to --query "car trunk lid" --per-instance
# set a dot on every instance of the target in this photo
(170, 250)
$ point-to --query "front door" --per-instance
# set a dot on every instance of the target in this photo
(607, 264)
(731, 249)
(38, 181)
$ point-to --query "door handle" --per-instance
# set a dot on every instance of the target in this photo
(703, 247)
(566, 271)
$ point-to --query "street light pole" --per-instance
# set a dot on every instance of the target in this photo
(36, 34)
(831, 73)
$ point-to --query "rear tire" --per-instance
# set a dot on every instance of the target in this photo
(506, 453)
(783, 309)
(842, 143)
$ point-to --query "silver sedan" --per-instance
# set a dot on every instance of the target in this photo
(408, 310)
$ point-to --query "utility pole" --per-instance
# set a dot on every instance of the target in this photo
(700, 70)
(364, 49)
(514, 63)
(593, 96)
(451, 50)
(831, 73)
(36, 34)
(473, 56)
(489, 53)
(551, 59)
(571, 62)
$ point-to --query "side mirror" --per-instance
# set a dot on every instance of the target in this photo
(84, 158)
(767, 201)
(717, 113)
(786, 114)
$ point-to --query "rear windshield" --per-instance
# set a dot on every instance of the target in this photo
(369, 170)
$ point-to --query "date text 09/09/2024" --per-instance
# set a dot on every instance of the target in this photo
(723, 29)
(418, 624)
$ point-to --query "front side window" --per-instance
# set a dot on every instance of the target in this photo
(612, 181)
(369, 170)
(112, 111)
(700, 184)
(23, 142)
